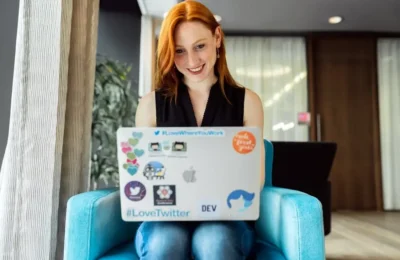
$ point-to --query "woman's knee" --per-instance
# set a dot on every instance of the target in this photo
(162, 240)
(231, 239)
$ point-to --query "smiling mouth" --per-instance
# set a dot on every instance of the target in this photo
(196, 70)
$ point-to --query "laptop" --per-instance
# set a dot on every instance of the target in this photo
(189, 173)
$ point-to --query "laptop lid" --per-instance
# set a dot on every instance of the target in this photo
(189, 173)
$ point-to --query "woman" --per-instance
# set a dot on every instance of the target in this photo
(194, 88)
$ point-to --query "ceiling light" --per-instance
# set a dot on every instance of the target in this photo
(335, 20)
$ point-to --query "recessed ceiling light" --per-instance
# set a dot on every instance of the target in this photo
(335, 20)
(218, 18)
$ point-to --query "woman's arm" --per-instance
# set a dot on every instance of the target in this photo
(254, 117)
(146, 111)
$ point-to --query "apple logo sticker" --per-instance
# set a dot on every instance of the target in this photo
(189, 175)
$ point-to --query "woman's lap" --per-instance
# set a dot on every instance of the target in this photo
(162, 240)
(203, 240)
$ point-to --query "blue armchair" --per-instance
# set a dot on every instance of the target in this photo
(290, 226)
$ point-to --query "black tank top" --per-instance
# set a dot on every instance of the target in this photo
(218, 111)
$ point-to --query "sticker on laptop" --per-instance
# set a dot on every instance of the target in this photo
(166, 145)
(209, 209)
(240, 200)
(178, 149)
(154, 171)
(189, 175)
(135, 191)
(132, 153)
(244, 142)
(155, 147)
(164, 195)
(159, 148)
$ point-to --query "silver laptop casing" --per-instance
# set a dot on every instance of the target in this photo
(189, 173)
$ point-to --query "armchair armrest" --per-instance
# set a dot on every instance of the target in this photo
(292, 221)
(94, 225)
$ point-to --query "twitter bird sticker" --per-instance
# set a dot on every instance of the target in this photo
(135, 191)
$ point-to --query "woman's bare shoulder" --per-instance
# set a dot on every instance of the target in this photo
(146, 111)
(251, 96)
(148, 99)
(253, 108)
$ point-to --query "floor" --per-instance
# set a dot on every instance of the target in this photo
(364, 236)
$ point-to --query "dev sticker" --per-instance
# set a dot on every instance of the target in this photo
(244, 142)
(209, 209)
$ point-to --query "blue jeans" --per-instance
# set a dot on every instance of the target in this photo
(202, 240)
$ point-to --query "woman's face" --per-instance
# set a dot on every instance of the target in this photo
(196, 51)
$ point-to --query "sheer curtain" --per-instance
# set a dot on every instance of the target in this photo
(276, 69)
(147, 54)
(47, 154)
(389, 113)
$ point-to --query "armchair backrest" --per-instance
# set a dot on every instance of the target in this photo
(269, 158)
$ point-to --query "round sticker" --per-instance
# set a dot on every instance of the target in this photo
(135, 191)
(244, 142)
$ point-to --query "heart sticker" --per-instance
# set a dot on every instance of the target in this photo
(131, 156)
(133, 142)
(124, 144)
(132, 170)
(139, 152)
(137, 135)
(126, 149)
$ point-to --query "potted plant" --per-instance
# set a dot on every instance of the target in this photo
(114, 106)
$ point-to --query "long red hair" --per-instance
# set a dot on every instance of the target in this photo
(167, 78)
